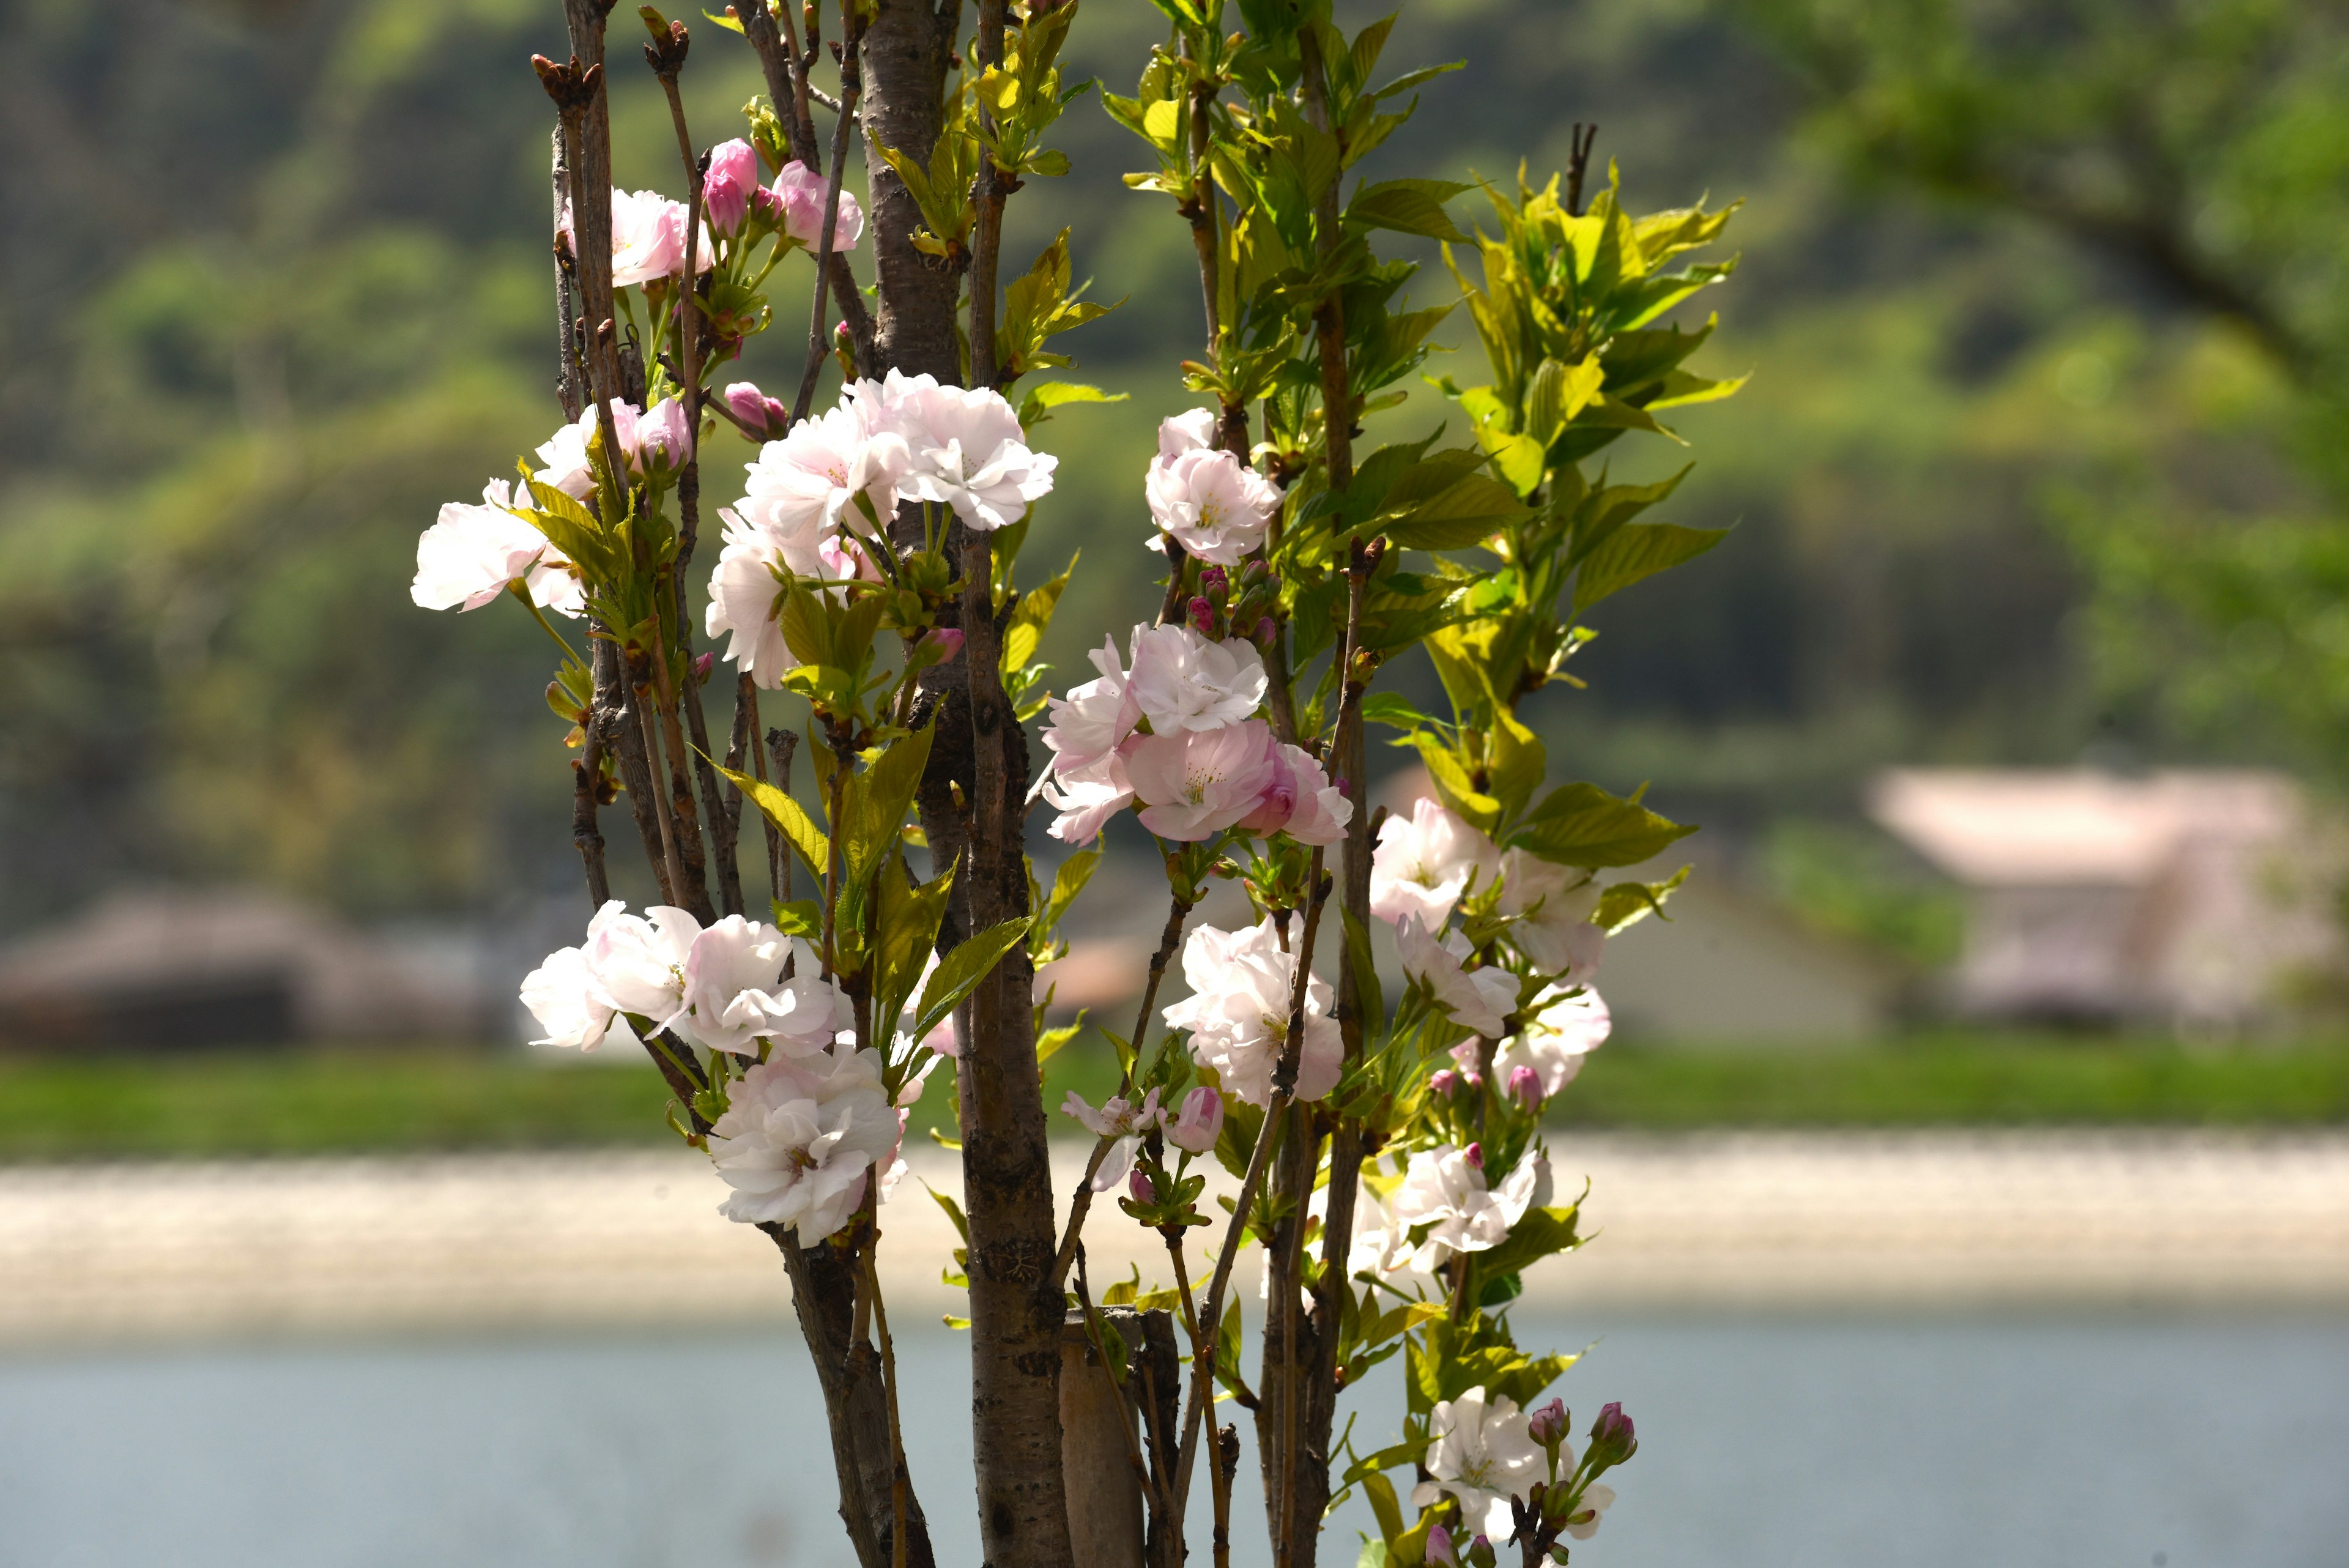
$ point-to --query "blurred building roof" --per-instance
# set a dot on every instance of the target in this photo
(167, 968)
(2195, 898)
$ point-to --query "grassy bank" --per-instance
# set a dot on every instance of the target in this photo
(363, 1101)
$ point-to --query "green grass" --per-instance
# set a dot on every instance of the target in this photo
(362, 1101)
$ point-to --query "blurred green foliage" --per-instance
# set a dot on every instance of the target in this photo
(2042, 301)
(410, 1099)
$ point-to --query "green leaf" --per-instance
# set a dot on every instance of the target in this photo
(1408, 207)
(1052, 1040)
(954, 1212)
(1396, 712)
(1041, 398)
(1638, 550)
(908, 918)
(1539, 1234)
(1519, 762)
(877, 801)
(1031, 617)
(959, 972)
(801, 918)
(790, 818)
(1582, 825)
(1627, 903)
(1067, 883)
(1454, 786)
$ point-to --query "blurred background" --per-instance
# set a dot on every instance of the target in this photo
(2015, 709)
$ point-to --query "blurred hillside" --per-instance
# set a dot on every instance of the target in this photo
(275, 287)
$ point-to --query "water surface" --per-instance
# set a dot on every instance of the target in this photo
(1765, 1443)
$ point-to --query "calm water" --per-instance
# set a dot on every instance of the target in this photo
(2067, 1443)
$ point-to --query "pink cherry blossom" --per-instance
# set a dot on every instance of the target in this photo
(801, 192)
(1214, 504)
(1195, 783)
(1119, 1119)
(1182, 680)
(1086, 798)
(1300, 801)
(1199, 1123)
(1094, 718)
(1554, 904)
(1237, 1013)
(801, 1138)
(969, 449)
(565, 451)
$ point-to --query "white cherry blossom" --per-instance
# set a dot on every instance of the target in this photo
(471, 554)
(968, 450)
(565, 453)
(1118, 1118)
(1424, 862)
(800, 1138)
(1482, 1454)
(804, 486)
(559, 992)
(1183, 680)
(1557, 903)
(1480, 1000)
(1237, 1013)
(1190, 431)
(1444, 1190)
(1559, 1032)
(636, 963)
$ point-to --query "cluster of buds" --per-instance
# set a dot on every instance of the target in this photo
(1223, 608)
(1443, 1554)
(1570, 1500)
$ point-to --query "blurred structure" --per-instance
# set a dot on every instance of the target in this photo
(1730, 965)
(168, 970)
(2193, 899)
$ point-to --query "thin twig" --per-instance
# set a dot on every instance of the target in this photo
(1082, 1200)
(851, 87)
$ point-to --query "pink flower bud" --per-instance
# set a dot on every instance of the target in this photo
(1613, 1438)
(1480, 1553)
(1475, 1155)
(1138, 1183)
(946, 640)
(1199, 1123)
(1471, 1068)
(761, 414)
(702, 664)
(1548, 1423)
(726, 189)
(662, 439)
(1439, 1548)
(1444, 1081)
(1265, 631)
(1214, 582)
(1202, 617)
(1525, 1087)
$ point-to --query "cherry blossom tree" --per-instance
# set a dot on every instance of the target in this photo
(1388, 1151)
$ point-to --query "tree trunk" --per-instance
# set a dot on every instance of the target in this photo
(905, 57)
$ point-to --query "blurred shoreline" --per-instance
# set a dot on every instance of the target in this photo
(1867, 1221)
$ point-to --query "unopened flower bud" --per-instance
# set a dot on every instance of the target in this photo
(1214, 583)
(1471, 1068)
(726, 189)
(1199, 1123)
(1547, 1425)
(1439, 1548)
(1203, 617)
(702, 665)
(1266, 631)
(1443, 1081)
(946, 640)
(662, 439)
(1480, 1553)
(1525, 1087)
(764, 416)
(1613, 1437)
(1475, 1155)
(1138, 1183)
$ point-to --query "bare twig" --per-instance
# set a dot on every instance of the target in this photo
(1577, 164)
(989, 189)
(851, 87)
(1082, 1200)
(567, 390)
(783, 744)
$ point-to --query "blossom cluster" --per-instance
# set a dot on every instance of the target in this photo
(1178, 733)
(809, 1119)
(818, 501)
(648, 229)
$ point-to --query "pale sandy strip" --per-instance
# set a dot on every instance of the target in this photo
(1745, 1220)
